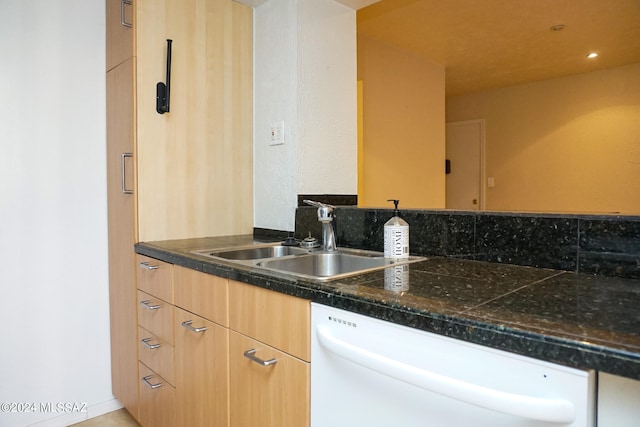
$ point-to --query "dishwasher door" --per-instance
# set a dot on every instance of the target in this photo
(367, 372)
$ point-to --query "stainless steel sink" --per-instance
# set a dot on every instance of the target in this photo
(326, 266)
(313, 265)
(251, 253)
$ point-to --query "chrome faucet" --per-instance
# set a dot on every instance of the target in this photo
(325, 216)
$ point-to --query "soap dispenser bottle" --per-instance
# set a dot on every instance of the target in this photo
(396, 235)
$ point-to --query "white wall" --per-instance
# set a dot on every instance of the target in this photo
(54, 313)
(305, 75)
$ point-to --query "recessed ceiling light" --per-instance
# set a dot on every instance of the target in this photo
(592, 55)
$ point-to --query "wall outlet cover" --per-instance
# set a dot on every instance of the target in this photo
(277, 133)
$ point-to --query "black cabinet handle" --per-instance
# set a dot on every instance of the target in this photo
(162, 89)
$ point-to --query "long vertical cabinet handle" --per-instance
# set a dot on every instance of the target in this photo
(123, 18)
(162, 89)
(123, 156)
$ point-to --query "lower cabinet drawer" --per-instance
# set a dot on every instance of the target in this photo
(155, 277)
(157, 354)
(157, 399)
(156, 316)
(282, 321)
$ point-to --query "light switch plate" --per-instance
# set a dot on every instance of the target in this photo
(277, 133)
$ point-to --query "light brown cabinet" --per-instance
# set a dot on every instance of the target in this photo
(157, 400)
(201, 371)
(156, 351)
(183, 174)
(270, 390)
(269, 354)
(218, 353)
(121, 235)
(202, 348)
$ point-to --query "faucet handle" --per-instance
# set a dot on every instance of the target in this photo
(324, 210)
(318, 204)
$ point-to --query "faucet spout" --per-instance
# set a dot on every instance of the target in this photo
(325, 216)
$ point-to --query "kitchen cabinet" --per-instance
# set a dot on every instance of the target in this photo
(202, 341)
(121, 236)
(193, 164)
(119, 40)
(269, 354)
(182, 174)
(216, 352)
(274, 392)
(156, 375)
(201, 371)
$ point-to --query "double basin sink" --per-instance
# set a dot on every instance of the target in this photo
(311, 264)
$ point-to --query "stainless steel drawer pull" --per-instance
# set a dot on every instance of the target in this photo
(148, 266)
(187, 324)
(123, 19)
(147, 304)
(123, 162)
(251, 354)
(147, 343)
(148, 383)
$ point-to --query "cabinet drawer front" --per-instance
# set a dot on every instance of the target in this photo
(156, 316)
(157, 354)
(157, 399)
(263, 396)
(279, 320)
(201, 293)
(155, 277)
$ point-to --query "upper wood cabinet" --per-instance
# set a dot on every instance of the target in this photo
(120, 25)
(193, 164)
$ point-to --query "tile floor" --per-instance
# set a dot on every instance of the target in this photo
(119, 418)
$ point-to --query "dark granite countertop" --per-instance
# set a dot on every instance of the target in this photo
(578, 320)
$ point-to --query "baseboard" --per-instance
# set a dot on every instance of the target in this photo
(92, 411)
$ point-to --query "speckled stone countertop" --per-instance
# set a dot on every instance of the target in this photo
(578, 320)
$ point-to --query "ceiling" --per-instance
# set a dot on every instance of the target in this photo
(488, 44)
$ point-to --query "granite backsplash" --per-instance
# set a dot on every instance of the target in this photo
(593, 244)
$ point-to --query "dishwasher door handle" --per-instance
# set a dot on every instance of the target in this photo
(535, 408)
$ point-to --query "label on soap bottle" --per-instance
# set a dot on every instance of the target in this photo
(396, 241)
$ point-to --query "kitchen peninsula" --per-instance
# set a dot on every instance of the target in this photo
(578, 320)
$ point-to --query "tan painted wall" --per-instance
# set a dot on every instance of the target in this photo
(563, 145)
(403, 128)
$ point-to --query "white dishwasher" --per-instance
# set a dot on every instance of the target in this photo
(368, 372)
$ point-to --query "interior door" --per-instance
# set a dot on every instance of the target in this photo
(464, 154)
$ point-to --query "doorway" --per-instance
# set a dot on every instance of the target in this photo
(465, 165)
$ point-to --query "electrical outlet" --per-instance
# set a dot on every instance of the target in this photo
(277, 133)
